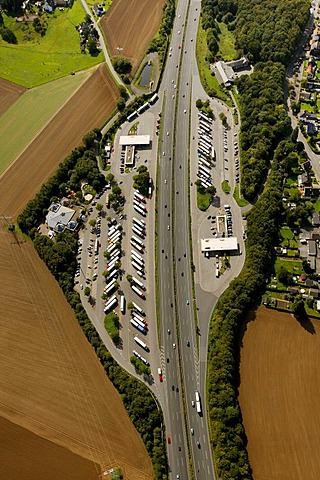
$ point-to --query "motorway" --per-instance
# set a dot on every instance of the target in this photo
(176, 306)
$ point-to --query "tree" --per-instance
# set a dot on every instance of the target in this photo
(223, 118)
(8, 35)
(92, 46)
(123, 92)
(87, 291)
(299, 308)
(89, 139)
(121, 104)
(211, 190)
(199, 103)
(99, 207)
(92, 222)
(129, 278)
(284, 276)
(122, 65)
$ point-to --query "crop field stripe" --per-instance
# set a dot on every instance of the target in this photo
(31, 113)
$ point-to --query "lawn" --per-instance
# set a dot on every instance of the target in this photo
(208, 81)
(242, 202)
(203, 200)
(24, 119)
(36, 60)
(293, 266)
(317, 205)
(288, 238)
(225, 186)
(111, 323)
(227, 49)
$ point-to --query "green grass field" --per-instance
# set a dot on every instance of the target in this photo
(225, 186)
(242, 202)
(227, 49)
(36, 60)
(21, 122)
(203, 200)
(208, 81)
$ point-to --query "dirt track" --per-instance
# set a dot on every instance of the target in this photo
(131, 26)
(51, 382)
(9, 93)
(88, 108)
(279, 396)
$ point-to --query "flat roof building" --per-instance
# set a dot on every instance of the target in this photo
(224, 244)
(134, 140)
(129, 156)
(312, 248)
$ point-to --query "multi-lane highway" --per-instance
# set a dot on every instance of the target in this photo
(175, 275)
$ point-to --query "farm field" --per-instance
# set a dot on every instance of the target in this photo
(131, 26)
(9, 93)
(90, 107)
(279, 395)
(52, 386)
(42, 59)
(24, 119)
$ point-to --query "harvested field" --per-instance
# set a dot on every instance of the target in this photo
(89, 107)
(131, 26)
(52, 384)
(279, 395)
(9, 93)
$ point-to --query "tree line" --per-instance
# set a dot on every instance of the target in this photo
(227, 431)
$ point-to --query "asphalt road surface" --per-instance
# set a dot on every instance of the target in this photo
(175, 275)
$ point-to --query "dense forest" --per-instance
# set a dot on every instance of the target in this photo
(264, 29)
(270, 29)
(264, 122)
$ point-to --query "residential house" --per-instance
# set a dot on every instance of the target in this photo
(314, 293)
(293, 290)
(306, 166)
(316, 219)
(304, 179)
(224, 73)
(307, 117)
(312, 248)
(311, 192)
(315, 49)
(60, 3)
(311, 129)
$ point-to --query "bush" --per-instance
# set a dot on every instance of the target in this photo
(111, 323)
(8, 35)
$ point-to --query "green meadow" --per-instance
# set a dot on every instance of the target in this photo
(35, 59)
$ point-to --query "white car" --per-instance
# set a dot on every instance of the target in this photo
(163, 154)
(167, 134)
(172, 96)
(170, 49)
(192, 403)
(174, 345)
(185, 111)
(192, 431)
(168, 227)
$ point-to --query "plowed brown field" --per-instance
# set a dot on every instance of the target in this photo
(89, 107)
(131, 26)
(279, 396)
(60, 417)
(52, 384)
(9, 93)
